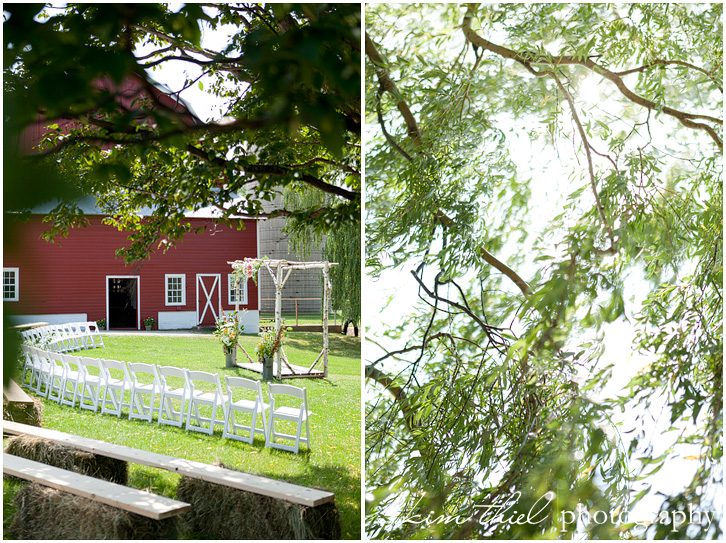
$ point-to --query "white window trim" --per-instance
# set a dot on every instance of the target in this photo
(183, 289)
(16, 271)
(230, 288)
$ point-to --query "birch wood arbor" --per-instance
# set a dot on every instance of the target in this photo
(280, 271)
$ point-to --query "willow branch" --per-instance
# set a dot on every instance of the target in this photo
(399, 395)
(491, 259)
(526, 59)
(588, 154)
(681, 63)
(387, 83)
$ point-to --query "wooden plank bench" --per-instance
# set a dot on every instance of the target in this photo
(301, 495)
(14, 394)
(29, 326)
(120, 496)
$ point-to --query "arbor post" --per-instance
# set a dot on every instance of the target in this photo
(278, 316)
(326, 290)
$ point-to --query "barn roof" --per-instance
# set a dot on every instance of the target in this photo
(89, 206)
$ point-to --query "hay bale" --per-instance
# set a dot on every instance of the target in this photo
(68, 458)
(23, 413)
(46, 513)
(221, 512)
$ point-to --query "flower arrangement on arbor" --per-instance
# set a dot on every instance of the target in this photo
(247, 268)
(270, 342)
(228, 330)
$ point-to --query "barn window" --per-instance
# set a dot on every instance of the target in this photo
(233, 292)
(10, 284)
(176, 292)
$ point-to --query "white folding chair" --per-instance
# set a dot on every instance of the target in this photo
(71, 387)
(54, 373)
(116, 383)
(254, 407)
(91, 383)
(174, 388)
(81, 331)
(198, 382)
(279, 412)
(41, 372)
(140, 388)
(74, 337)
(28, 365)
(41, 333)
(95, 334)
(61, 342)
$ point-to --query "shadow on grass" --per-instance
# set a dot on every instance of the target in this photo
(339, 345)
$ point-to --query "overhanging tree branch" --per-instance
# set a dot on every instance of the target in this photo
(279, 170)
(490, 258)
(387, 83)
(526, 59)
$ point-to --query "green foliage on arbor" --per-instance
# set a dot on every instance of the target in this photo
(547, 175)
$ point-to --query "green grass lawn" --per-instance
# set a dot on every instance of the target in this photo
(332, 463)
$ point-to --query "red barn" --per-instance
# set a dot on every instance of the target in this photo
(81, 278)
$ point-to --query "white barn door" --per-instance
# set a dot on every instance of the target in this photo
(209, 298)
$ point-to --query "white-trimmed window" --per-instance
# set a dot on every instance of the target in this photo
(233, 293)
(10, 284)
(175, 289)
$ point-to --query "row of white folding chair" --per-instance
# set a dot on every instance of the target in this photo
(66, 337)
(67, 378)
(256, 408)
(51, 374)
(190, 390)
(80, 335)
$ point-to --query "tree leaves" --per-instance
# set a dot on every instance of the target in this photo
(290, 75)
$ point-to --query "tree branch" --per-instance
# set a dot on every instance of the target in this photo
(343, 167)
(387, 83)
(527, 59)
(681, 63)
(306, 178)
(269, 169)
(399, 395)
(588, 154)
(490, 259)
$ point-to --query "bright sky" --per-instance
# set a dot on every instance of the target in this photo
(174, 74)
